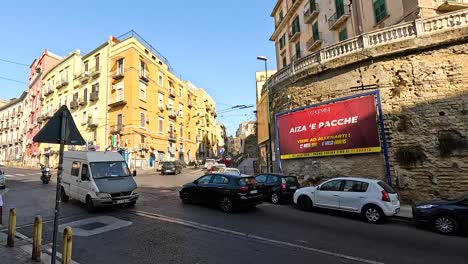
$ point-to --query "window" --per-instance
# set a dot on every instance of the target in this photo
(295, 25)
(284, 62)
(281, 16)
(261, 178)
(273, 179)
(161, 79)
(355, 186)
(343, 34)
(386, 187)
(282, 42)
(86, 67)
(60, 101)
(142, 69)
(204, 179)
(85, 94)
(218, 179)
(315, 32)
(331, 186)
(339, 8)
(119, 87)
(380, 10)
(119, 122)
(75, 170)
(161, 125)
(161, 99)
(120, 66)
(181, 110)
(84, 172)
(84, 117)
(142, 91)
(142, 139)
(65, 75)
(298, 50)
(180, 91)
(95, 88)
(189, 136)
(96, 62)
(142, 120)
(181, 130)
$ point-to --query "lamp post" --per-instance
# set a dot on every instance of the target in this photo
(269, 150)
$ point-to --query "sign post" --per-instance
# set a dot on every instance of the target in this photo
(60, 129)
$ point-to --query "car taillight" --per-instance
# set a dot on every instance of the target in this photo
(385, 196)
(243, 189)
(283, 186)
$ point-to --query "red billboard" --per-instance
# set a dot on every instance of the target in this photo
(339, 128)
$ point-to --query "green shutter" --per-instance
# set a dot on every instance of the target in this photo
(380, 10)
(284, 62)
(315, 32)
(298, 50)
(339, 8)
(343, 35)
(312, 5)
(295, 25)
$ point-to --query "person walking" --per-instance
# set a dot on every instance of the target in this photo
(1, 208)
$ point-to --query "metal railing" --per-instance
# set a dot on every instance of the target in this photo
(337, 19)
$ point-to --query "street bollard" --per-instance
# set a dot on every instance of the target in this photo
(11, 228)
(37, 240)
(67, 245)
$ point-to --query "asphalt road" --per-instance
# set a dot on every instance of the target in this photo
(160, 229)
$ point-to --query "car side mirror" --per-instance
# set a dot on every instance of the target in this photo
(134, 173)
(318, 188)
(195, 182)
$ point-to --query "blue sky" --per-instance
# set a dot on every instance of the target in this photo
(214, 44)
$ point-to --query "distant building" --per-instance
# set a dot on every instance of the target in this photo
(245, 129)
(12, 130)
(222, 141)
(260, 81)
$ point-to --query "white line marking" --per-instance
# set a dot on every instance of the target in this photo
(214, 229)
(20, 175)
(110, 223)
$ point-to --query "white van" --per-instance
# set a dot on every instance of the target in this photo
(97, 179)
(209, 163)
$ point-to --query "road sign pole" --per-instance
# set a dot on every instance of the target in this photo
(64, 120)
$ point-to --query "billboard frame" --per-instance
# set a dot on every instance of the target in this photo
(376, 94)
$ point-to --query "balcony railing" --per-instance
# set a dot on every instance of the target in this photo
(95, 71)
(119, 73)
(172, 136)
(172, 114)
(74, 104)
(92, 122)
(62, 83)
(144, 75)
(172, 93)
(314, 42)
(336, 20)
(118, 100)
(94, 96)
(83, 76)
(83, 100)
(310, 13)
(190, 104)
(294, 35)
(451, 5)
(48, 91)
(116, 129)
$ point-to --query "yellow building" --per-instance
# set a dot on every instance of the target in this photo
(80, 83)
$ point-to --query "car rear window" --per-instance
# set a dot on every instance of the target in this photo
(386, 187)
(247, 181)
(290, 180)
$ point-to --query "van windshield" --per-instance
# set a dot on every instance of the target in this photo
(109, 169)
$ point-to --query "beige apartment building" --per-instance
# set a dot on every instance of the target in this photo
(304, 26)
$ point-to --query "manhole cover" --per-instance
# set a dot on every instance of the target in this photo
(92, 226)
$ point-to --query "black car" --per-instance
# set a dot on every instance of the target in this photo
(278, 187)
(446, 216)
(171, 167)
(224, 190)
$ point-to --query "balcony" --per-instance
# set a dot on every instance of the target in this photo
(117, 101)
(119, 74)
(41, 98)
(117, 129)
(144, 75)
(208, 107)
(74, 104)
(46, 116)
(310, 13)
(172, 136)
(83, 77)
(336, 20)
(48, 91)
(92, 122)
(94, 96)
(171, 92)
(314, 42)
(190, 104)
(294, 35)
(451, 5)
(172, 114)
(83, 100)
(95, 71)
(61, 83)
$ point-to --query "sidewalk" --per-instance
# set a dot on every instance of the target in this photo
(405, 212)
(15, 254)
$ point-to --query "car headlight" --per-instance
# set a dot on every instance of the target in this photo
(103, 195)
(426, 206)
(134, 192)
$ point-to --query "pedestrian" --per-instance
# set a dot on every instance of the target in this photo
(1, 209)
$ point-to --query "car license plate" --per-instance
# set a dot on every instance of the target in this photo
(168, 171)
(122, 201)
(394, 202)
(293, 187)
(253, 191)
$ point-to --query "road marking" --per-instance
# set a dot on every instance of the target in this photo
(105, 224)
(20, 175)
(219, 230)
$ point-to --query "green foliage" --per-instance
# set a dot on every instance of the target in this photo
(409, 155)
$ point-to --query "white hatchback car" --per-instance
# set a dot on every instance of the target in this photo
(374, 199)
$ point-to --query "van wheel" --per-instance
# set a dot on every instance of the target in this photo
(90, 205)
(63, 196)
(373, 214)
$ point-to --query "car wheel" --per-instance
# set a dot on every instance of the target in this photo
(225, 204)
(275, 198)
(186, 197)
(90, 205)
(63, 196)
(446, 225)
(373, 214)
(304, 203)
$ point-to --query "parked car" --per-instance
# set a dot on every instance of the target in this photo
(232, 171)
(373, 199)
(159, 166)
(2, 180)
(171, 167)
(227, 191)
(278, 187)
(209, 163)
(216, 168)
(447, 216)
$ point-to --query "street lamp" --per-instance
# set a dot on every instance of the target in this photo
(269, 150)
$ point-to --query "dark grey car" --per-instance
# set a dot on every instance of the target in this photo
(171, 167)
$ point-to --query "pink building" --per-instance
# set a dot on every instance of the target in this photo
(33, 102)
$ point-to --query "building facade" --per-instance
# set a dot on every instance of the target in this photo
(221, 140)
(304, 26)
(12, 130)
(260, 80)
(33, 103)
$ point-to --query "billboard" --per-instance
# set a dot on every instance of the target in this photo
(339, 128)
(262, 119)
